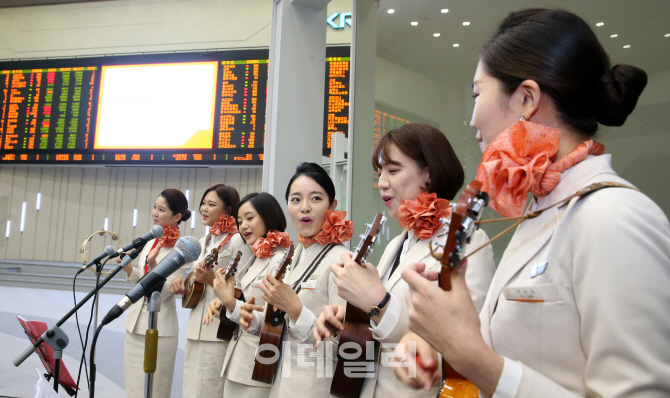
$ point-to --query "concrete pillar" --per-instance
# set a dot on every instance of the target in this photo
(362, 203)
(294, 122)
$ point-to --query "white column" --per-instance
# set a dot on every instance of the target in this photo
(360, 203)
(294, 123)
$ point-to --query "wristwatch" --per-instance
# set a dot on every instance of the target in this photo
(377, 309)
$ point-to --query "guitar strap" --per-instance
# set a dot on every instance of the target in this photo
(312, 267)
(580, 194)
(227, 238)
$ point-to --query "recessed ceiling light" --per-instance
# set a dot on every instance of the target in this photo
(600, 24)
(626, 46)
(444, 10)
(466, 23)
(436, 35)
(456, 45)
(390, 10)
(667, 35)
(614, 35)
(414, 23)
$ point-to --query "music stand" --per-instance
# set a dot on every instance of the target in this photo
(35, 329)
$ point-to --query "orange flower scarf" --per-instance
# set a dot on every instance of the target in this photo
(423, 214)
(334, 231)
(263, 247)
(521, 160)
(225, 224)
(170, 236)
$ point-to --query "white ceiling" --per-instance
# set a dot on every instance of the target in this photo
(641, 24)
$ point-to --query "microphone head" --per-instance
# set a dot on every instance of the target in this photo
(110, 250)
(189, 247)
(157, 231)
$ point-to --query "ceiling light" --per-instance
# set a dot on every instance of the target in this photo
(444, 10)
(390, 10)
(456, 45)
(414, 23)
(667, 35)
(436, 35)
(600, 24)
(626, 46)
(466, 23)
(614, 35)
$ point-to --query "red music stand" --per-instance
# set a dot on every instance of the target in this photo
(35, 329)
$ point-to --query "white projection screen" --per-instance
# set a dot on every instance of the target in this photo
(157, 106)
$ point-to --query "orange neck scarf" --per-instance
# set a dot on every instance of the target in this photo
(334, 231)
(225, 224)
(521, 160)
(423, 214)
(263, 247)
(170, 236)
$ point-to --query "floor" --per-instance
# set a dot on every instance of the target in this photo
(49, 306)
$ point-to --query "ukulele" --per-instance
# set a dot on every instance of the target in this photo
(464, 215)
(195, 291)
(356, 327)
(226, 326)
(273, 331)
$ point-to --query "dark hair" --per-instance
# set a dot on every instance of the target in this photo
(316, 173)
(559, 51)
(267, 208)
(227, 194)
(428, 147)
(177, 203)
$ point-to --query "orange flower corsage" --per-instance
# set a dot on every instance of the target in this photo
(264, 247)
(334, 231)
(521, 160)
(170, 236)
(225, 224)
(423, 214)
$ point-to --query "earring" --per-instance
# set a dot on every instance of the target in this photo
(523, 119)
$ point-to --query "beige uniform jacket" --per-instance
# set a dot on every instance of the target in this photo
(240, 356)
(195, 330)
(481, 268)
(304, 370)
(137, 320)
(598, 271)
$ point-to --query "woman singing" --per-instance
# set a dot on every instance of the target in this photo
(204, 352)
(170, 208)
(596, 267)
(309, 286)
(261, 224)
(418, 172)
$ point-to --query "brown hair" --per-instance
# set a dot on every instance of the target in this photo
(268, 210)
(428, 147)
(559, 51)
(177, 203)
(227, 194)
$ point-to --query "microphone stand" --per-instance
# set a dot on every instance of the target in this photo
(55, 330)
(151, 342)
(155, 289)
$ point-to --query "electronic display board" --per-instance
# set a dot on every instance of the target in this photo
(190, 108)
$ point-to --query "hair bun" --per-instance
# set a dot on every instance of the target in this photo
(186, 215)
(617, 94)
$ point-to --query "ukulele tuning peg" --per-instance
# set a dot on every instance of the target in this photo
(368, 225)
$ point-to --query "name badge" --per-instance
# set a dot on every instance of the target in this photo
(258, 281)
(524, 294)
(537, 269)
(310, 283)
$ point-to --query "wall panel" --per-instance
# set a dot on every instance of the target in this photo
(76, 200)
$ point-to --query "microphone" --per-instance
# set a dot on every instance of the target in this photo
(154, 233)
(186, 250)
(109, 250)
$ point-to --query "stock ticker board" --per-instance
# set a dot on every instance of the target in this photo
(154, 109)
